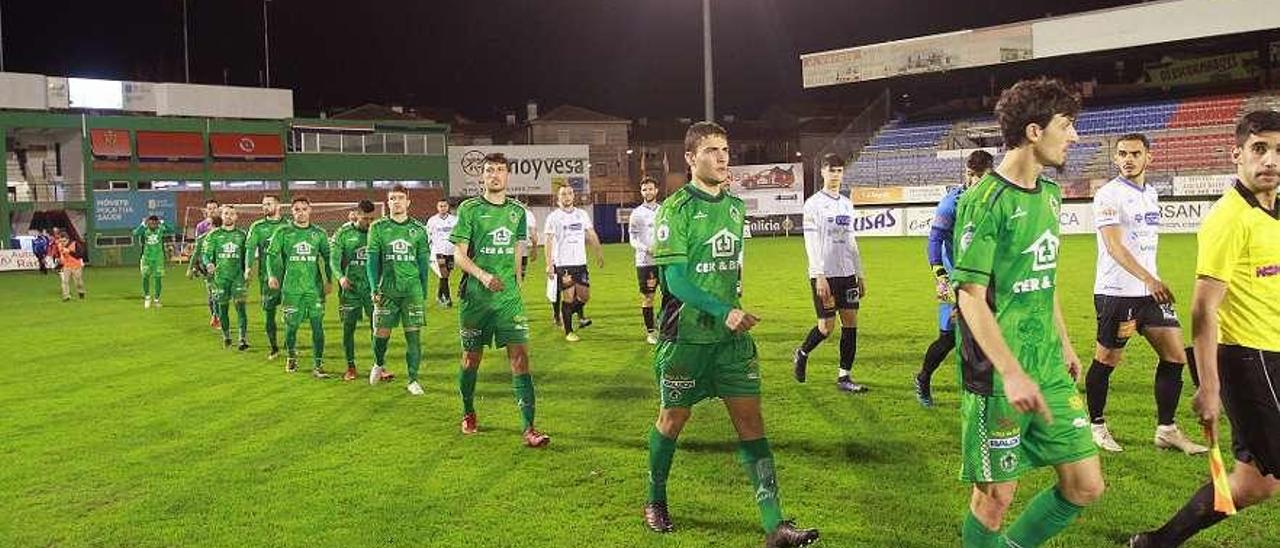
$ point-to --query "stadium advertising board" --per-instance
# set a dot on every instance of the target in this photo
(1074, 218)
(1183, 217)
(535, 169)
(879, 221)
(769, 189)
(918, 220)
(937, 53)
(919, 194)
(774, 225)
(1202, 70)
(1201, 185)
(126, 209)
(17, 259)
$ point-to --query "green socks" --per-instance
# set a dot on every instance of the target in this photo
(317, 341)
(413, 353)
(146, 286)
(467, 388)
(242, 320)
(225, 319)
(661, 452)
(976, 535)
(1045, 516)
(523, 387)
(271, 328)
(380, 351)
(349, 342)
(291, 341)
(757, 460)
(159, 283)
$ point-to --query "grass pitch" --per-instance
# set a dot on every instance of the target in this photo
(131, 427)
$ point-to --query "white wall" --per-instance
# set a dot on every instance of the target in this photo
(1151, 23)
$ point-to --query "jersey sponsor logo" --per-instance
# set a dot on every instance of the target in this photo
(501, 236)
(664, 232)
(1004, 443)
(843, 220)
(966, 238)
(1045, 251)
(229, 251)
(1018, 212)
(700, 215)
(1268, 270)
(723, 244)
(400, 246)
(362, 254)
(303, 252)
(1150, 218)
(573, 226)
(1030, 285)
(153, 239)
(501, 242)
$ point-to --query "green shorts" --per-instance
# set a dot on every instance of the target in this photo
(354, 304)
(301, 307)
(407, 310)
(689, 373)
(488, 323)
(999, 444)
(223, 291)
(151, 267)
(270, 297)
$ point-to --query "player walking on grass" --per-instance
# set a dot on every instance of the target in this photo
(224, 257)
(440, 227)
(298, 266)
(1235, 322)
(836, 278)
(259, 238)
(704, 349)
(196, 267)
(1020, 408)
(941, 258)
(640, 228)
(212, 219)
(1129, 296)
(348, 258)
(488, 238)
(399, 262)
(150, 235)
(568, 231)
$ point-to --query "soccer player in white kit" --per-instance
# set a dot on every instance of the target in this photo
(1130, 298)
(440, 226)
(568, 231)
(641, 231)
(835, 273)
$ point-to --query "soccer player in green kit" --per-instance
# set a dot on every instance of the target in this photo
(704, 350)
(256, 254)
(398, 265)
(151, 234)
(296, 259)
(224, 257)
(488, 246)
(348, 259)
(1020, 408)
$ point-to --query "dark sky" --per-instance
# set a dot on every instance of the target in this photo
(626, 57)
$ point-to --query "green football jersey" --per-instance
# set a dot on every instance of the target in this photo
(296, 256)
(197, 255)
(224, 250)
(348, 254)
(152, 240)
(259, 238)
(1006, 238)
(705, 233)
(398, 255)
(492, 234)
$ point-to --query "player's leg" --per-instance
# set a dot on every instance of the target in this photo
(993, 458)
(582, 289)
(412, 317)
(567, 301)
(222, 302)
(270, 305)
(522, 387)
(293, 316)
(647, 278)
(145, 271)
(386, 315)
(64, 277)
(935, 354)
(1248, 487)
(678, 370)
(1116, 323)
(988, 505)
(349, 311)
(316, 318)
(242, 316)
(1159, 325)
(442, 292)
(848, 351)
(826, 312)
(78, 276)
(157, 282)
(467, 375)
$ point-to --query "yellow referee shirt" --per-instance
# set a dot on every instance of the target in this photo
(1239, 244)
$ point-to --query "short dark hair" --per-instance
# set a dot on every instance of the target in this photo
(699, 131)
(398, 188)
(832, 159)
(1033, 102)
(1253, 123)
(496, 158)
(153, 218)
(212, 201)
(443, 201)
(1146, 143)
(216, 220)
(647, 180)
(272, 196)
(365, 206)
(302, 199)
(979, 161)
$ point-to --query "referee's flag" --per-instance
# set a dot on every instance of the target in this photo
(1222, 501)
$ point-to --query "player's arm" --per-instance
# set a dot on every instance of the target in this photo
(637, 235)
(594, 240)
(857, 265)
(423, 258)
(139, 230)
(1111, 236)
(549, 245)
(325, 255)
(1068, 351)
(1205, 301)
(1022, 392)
(813, 235)
(207, 255)
(338, 259)
(275, 260)
(373, 260)
(523, 235)
(463, 259)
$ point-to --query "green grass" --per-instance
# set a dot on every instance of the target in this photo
(124, 426)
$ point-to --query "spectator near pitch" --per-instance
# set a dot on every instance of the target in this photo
(150, 236)
(399, 262)
(837, 282)
(256, 248)
(640, 229)
(298, 265)
(1235, 322)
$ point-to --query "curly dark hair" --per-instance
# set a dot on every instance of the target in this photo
(979, 161)
(1033, 102)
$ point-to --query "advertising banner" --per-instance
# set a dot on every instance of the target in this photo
(17, 259)
(535, 169)
(936, 53)
(1201, 185)
(126, 209)
(769, 189)
(1202, 70)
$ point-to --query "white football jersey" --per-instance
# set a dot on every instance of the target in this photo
(1137, 212)
(439, 228)
(641, 230)
(828, 236)
(530, 224)
(568, 232)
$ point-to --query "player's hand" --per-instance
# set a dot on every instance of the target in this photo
(739, 321)
(344, 283)
(1073, 366)
(273, 282)
(943, 286)
(551, 270)
(492, 282)
(862, 287)
(823, 288)
(1208, 405)
(1024, 395)
(600, 262)
(1159, 291)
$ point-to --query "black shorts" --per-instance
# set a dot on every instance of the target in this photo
(577, 275)
(1121, 317)
(647, 279)
(843, 289)
(1250, 383)
(446, 259)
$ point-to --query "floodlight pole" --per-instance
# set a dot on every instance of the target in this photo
(708, 85)
(186, 45)
(266, 44)
(1, 38)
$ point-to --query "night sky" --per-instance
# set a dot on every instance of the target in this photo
(625, 57)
